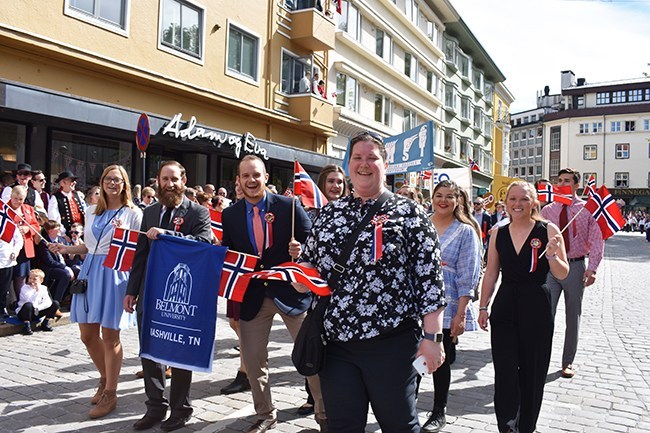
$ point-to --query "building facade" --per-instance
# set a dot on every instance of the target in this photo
(603, 129)
(75, 77)
(501, 136)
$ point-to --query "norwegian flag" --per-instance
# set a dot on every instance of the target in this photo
(550, 193)
(307, 189)
(288, 192)
(7, 224)
(233, 286)
(426, 174)
(591, 185)
(295, 273)
(605, 211)
(215, 223)
(473, 165)
(122, 250)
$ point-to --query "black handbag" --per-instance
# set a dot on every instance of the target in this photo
(309, 348)
(78, 286)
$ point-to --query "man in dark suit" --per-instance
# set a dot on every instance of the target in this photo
(483, 219)
(174, 215)
(261, 225)
(499, 213)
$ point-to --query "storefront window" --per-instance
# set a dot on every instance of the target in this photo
(228, 175)
(12, 145)
(87, 157)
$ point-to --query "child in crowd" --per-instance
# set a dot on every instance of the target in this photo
(74, 261)
(35, 302)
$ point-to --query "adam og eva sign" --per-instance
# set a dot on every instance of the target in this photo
(189, 131)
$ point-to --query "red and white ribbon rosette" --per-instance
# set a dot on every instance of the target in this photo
(535, 244)
(378, 236)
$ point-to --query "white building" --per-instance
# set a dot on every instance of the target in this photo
(399, 64)
(603, 129)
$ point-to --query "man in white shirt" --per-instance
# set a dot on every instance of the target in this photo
(305, 83)
(66, 205)
(23, 176)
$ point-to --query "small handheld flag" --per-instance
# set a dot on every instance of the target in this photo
(591, 185)
(7, 224)
(215, 223)
(550, 193)
(295, 273)
(235, 265)
(306, 188)
(122, 251)
(473, 165)
(606, 212)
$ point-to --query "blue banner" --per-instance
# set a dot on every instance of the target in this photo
(409, 151)
(180, 303)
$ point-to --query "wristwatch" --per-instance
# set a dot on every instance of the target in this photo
(433, 337)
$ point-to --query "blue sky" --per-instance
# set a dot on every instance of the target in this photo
(597, 40)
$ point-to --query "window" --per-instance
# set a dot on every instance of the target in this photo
(111, 14)
(382, 109)
(412, 11)
(618, 97)
(350, 21)
(597, 127)
(635, 95)
(622, 179)
(533, 117)
(243, 53)
(450, 142)
(465, 108)
(293, 70)
(538, 170)
(477, 79)
(515, 136)
(554, 167)
(584, 128)
(488, 91)
(615, 127)
(463, 65)
(586, 177)
(590, 151)
(451, 97)
(647, 95)
(646, 124)
(602, 98)
(182, 27)
(515, 154)
(531, 133)
(524, 152)
(623, 151)
(540, 131)
(410, 120)
(539, 150)
(478, 118)
(516, 172)
(450, 51)
(430, 82)
(581, 102)
(433, 32)
(530, 170)
(384, 45)
(555, 138)
(346, 91)
(630, 125)
(410, 66)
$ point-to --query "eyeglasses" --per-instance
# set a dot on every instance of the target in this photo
(39, 180)
(74, 232)
(115, 180)
(476, 203)
(372, 134)
(147, 196)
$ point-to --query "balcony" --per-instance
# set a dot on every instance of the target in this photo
(311, 110)
(312, 30)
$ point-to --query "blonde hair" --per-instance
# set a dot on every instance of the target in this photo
(39, 273)
(530, 192)
(125, 196)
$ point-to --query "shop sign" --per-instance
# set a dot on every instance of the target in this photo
(189, 131)
(629, 191)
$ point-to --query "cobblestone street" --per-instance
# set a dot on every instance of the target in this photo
(46, 380)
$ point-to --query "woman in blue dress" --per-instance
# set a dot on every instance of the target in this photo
(99, 311)
(461, 265)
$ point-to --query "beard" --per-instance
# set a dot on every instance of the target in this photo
(170, 198)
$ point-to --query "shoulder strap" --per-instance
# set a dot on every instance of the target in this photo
(339, 263)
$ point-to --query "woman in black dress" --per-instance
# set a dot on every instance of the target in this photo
(521, 317)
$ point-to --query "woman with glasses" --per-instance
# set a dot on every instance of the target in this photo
(372, 321)
(461, 266)
(99, 311)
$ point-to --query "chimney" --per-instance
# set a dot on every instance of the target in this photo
(547, 90)
(568, 79)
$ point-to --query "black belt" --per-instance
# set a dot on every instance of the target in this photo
(577, 259)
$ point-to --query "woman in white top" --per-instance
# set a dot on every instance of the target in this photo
(100, 307)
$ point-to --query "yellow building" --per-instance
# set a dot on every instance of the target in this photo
(501, 133)
(217, 79)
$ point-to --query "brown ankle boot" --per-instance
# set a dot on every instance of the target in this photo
(105, 406)
(100, 391)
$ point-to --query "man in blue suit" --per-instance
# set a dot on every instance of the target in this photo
(261, 225)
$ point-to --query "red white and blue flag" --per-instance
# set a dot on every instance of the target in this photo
(7, 224)
(550, 193)
(606, 212)
(122, 251)
(233, 286)
(473, 165)
(426, 174)
(591, 185)
(306, 188)
(215, 223)
(295, 273)
(288, 192)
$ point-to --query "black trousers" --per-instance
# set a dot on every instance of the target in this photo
(442, 376)
(522, 337)
(378, 371)
(5, 283)
(58, 281)
(28, 313)
(154, 387)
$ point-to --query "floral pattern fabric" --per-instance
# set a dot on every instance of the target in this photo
(373, 298)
